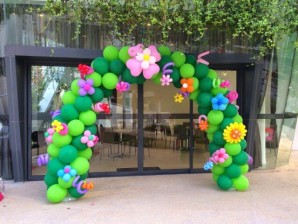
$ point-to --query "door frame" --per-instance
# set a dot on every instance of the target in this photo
(17, 61)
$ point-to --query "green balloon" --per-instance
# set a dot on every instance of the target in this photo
(92, 129)
(215, 117)
(68, 97)
(226, 163)
(241, 158)
(96, 79)
(83, 176)
(243, 144)
(61, 140)
(75, 127)
(123, 54)
(218, 170)
(53, 150)
(106, 92)
(65, 184)
(128, 77)
(212, 74)
(69, 112)
(87, 117)
(204, 110)
(83, 103)
(238, 119)
(187, 71)
(205, 84)
(117, 67)
(100, 65)
(210, 137)
(201, 71)
(75, 87)
(68, 153)
(233, 171)
(157, 78)
(233, 149)
(73, 192)
(204, 99)
(175, 75)
(212, 147)
(215, 177)
(56, 193)
(86, 153)
(54, 165)
(177, 84)
(244, 168)
(164, 50)
(50, 179)
(224, 182)
(178, 58)
(163, 61)
(190, 59)
(194, 95)
(218, 138)
(76, 142)
(212, 129)
(226, 122)
(109, 81)
(231, 111)
(97, 96)
(241, 183)
(216, 91)
(110, 53)
(81, 165)
(140, 79)
(195, 84)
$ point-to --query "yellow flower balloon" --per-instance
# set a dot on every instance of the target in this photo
(178, 98)
(57, 126)
(234, 133)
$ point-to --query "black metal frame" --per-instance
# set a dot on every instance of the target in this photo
(18, 61)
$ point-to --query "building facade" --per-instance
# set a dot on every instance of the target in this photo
(38, 61)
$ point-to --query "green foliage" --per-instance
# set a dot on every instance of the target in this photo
(266, 20)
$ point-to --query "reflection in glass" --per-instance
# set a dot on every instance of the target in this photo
(48, 84)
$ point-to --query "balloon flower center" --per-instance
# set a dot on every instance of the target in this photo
(87, 87)
(185, 85)
(235, 134)
(146, 57)
(91, 137)
(66, 170)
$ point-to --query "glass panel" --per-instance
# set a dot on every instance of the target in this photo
(118, 147)
(279, 104)
(48, 84)
(165, 128)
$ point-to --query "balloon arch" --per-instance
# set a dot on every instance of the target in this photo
(73, 132)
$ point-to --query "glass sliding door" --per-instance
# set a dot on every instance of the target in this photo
(165, 128)
(117, 149)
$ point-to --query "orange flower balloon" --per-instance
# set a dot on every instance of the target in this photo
(203, 125)
(187, 85)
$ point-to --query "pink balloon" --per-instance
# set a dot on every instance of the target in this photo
(49, 139)
(134, 66)
(134, 50)
(154, 52)
(84, 139)
(152, 70)
(90, 144)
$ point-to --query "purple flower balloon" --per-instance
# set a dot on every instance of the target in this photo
(86, 87)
